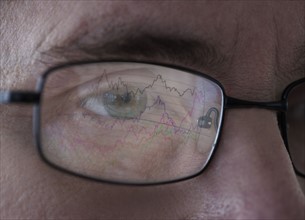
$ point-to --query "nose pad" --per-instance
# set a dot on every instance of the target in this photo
(206, 120)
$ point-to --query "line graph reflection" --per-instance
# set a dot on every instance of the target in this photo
(145, 128)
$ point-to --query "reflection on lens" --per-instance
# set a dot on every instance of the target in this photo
(129, 122)
(296, 126)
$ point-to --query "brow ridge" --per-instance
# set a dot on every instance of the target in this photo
(149, 47)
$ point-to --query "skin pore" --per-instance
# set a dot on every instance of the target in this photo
(258, 48)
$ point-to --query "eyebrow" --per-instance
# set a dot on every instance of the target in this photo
(145, 47)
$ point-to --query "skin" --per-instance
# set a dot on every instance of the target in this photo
(250, 177)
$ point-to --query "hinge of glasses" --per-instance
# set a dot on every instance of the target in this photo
(25, 97)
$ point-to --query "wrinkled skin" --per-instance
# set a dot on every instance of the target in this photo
(250, 177)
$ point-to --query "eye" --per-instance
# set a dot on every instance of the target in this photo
(128, 121)
(118, 103)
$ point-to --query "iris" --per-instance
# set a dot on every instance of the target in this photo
(118, 103)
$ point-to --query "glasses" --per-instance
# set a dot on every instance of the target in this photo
(141, 123)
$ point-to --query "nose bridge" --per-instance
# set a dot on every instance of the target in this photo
(254, 166)
(253, 127)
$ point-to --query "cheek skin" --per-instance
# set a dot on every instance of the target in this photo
(250, 177)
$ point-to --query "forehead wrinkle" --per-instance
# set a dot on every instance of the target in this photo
(295, 67)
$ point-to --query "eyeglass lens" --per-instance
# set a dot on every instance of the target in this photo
(296, 126)
(129, 122)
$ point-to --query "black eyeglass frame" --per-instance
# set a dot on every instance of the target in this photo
(33, 97)
(282, 119)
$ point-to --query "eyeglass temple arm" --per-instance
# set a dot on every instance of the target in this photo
(238, 103)
(26, 97)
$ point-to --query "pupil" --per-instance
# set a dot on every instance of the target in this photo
(112, 98)
(126, 97)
